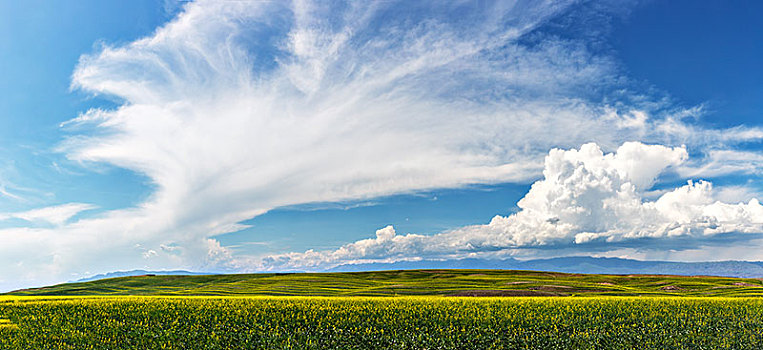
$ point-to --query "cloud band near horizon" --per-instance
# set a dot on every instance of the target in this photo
(585, 197)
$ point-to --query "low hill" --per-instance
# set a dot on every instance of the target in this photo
(132, 273)
(410, 282)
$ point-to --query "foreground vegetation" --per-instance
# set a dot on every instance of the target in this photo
(380, 323)
(360, 311)
(413, 282)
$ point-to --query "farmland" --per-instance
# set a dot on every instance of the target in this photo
(423, 309)
(412, 283)
(380, 323)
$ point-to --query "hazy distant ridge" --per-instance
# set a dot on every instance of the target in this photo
(579, 264)
(744, 269)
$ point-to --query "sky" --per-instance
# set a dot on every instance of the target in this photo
(245, 136)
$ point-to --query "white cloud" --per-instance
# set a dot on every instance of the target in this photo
(148, 254)
(56, 215)
(238, 107)
(719, 162)
(4, 192)
(736, 193)
(584, 196)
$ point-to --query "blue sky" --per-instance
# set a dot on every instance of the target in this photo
(249, 136)
(709, 54)
(40, 44)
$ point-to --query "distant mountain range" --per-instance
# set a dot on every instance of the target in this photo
(576, 264)
(579, 264)
(140, 273)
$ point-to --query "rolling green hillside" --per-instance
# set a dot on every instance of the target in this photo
(412, 282)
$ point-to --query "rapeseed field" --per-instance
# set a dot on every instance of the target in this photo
(380, 323)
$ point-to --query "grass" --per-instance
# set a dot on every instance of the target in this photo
(411, 283)
(381, 323)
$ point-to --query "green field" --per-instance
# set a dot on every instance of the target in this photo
(380, 323)
(424, 309)
(412, 283)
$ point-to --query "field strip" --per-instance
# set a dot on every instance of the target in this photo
(6, 323)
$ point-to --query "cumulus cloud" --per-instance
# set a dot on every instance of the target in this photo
(585, 195)
(234, 108)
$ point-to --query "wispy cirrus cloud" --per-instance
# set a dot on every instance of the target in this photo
(719, 162)
(56, 215)
(5, 193)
